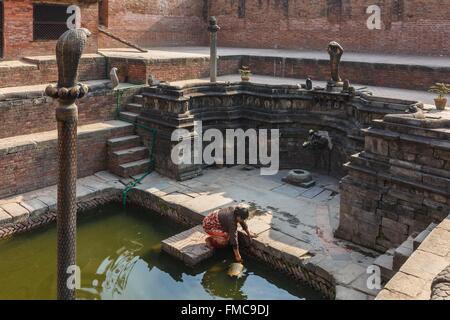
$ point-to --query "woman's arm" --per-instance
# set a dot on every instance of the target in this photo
(237, 255)
(245, 228)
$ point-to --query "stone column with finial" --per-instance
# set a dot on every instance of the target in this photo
(213, 28)
(69, 49)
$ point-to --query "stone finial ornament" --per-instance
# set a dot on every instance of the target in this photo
(69, 49)
(213, 27)
(336, 51)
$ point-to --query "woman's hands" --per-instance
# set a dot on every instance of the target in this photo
(237, 256)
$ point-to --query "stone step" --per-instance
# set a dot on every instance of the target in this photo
(188, 246)
(128, 155)
(123, 143)
(128, 116)
(132, 168)
(386, 264)
(423, 235)
(402, 253)
(138, 98)
(134, 107)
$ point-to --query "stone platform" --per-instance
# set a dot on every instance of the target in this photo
(379, 91)
(188, 246)
(177, 63)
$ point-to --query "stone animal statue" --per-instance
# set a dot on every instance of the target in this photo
(151, 81)
(114, 78)
(416, 111)
(309, 84)
(318, 140)
(347, 88)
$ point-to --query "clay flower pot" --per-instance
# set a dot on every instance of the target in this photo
(442, 89)
(440, 103)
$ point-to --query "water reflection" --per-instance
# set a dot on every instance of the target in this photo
(120, 257)
(218, 283)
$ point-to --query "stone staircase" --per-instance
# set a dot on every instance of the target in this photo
(131, 111)
(393, 259)
(127, 156)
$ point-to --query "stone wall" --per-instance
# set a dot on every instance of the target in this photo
(414, 77)
(18, 28)
(155, 22)
(311, 24)
(399, 184)
(31, 111)
(28, 143)
(39, 70)
(24, 159)
(137, 71)
(292, 110)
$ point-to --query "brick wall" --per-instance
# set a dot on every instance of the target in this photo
(374, 74)
(39, 71)
(155, 22)
(137, 70)
(25, 164)
(408, 26)
(27, 116)
(18, 28)
(22, 115)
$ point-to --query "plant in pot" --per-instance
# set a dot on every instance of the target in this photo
(442, 90)
(245, 73)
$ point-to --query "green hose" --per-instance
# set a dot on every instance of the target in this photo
(153, 131)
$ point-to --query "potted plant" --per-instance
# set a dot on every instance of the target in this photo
(245, 73)
(442, 90)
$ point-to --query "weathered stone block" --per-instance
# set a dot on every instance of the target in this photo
(16, 211)
(377, 146)
(188, 246)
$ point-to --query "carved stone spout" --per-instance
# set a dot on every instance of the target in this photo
(336, 51)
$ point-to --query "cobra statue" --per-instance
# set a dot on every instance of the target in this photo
(69, 49)
(335, 51)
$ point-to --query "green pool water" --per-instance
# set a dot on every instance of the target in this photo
(120, 257)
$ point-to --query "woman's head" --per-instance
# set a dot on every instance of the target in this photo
(241, 212)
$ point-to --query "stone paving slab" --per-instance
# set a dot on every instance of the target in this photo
(16, 211)
(5, 217)
(188, 246)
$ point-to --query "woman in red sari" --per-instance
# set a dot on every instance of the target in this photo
(221, 226)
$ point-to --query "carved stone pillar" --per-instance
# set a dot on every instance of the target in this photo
(213, 28)
(69, 49)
